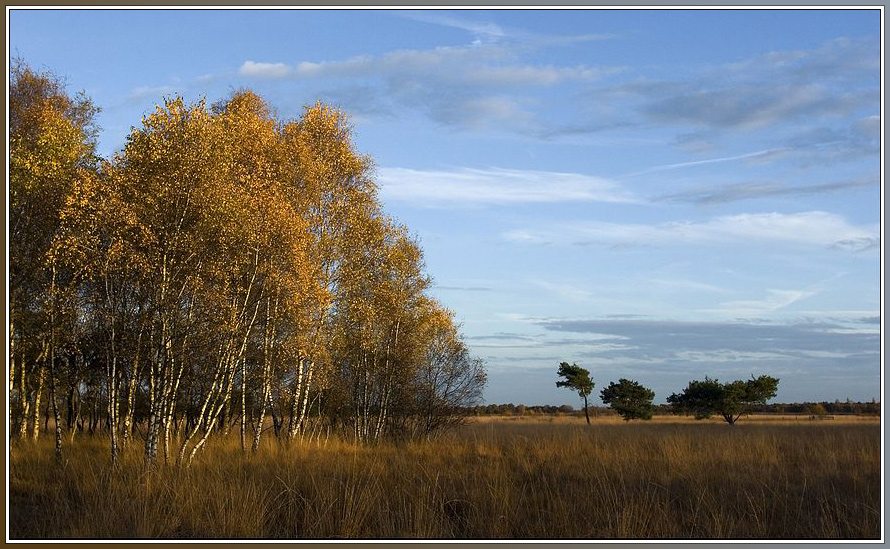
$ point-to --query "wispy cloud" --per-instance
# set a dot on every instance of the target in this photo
(486, 65)
(256, 69)
(481, 30)
(731, 355)
(752, 106)
(806, 356)
(480, 86)
(814, 229)
(775, 300)
(773, 95)
(511, 340)
(566, 292)
(463, 187)
(485, 31)
(682, 285)
(669, 339)
(143, 92)
(464, 288)
(825, 144)
(834, 79)
(677, 166)
(752, 190)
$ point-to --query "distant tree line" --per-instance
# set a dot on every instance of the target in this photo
(703, 399)
(521, 409)
(809, 408)
(225, 271)
(837, 407)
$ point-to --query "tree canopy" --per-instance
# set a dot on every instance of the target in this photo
(630, 399)
(730, 400)
(578, 379)
(224, 267)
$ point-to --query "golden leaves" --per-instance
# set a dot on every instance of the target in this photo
(222, 208)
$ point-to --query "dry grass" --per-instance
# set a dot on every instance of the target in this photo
(490, 479)
(615, 419)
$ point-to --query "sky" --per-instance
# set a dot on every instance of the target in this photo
(658, 195)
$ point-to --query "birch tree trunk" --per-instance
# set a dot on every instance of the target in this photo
(12, 373)
(243, 429)
(112, 400)
(35, 413)
(51, 356)
(294, 425)
(25, 401)
(308, 384)
(268, 336)
(151, 448)
(131, 393)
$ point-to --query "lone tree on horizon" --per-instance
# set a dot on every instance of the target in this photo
(630, 399)
(730, 400)
(577, 379)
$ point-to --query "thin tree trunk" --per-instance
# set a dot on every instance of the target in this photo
(243, 429)
(268, 335)
(308, 385)
(113, 409)
(112, 386)
(35, 413)
(168, 396)
(55, 407)
(208, 404)
(159, 368)
(52, 366)
(12, 370)
(295, 402)
(25, 401)
(203, 440)
(151, 449)
(131, 391)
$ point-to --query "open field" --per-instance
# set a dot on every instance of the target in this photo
(494, 478)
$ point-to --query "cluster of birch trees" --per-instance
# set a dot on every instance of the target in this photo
(224, 271)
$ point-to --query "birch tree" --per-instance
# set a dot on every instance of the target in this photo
(224, 266)
(51, 143)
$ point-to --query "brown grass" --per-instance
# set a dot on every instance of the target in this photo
(490, 479)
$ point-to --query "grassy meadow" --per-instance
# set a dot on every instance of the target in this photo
(498, 478)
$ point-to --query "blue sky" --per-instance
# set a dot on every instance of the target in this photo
(653, 194)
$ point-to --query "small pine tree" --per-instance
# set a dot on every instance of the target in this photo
(630, 399)
(578, 379)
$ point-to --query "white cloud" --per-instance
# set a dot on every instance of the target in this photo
(728, 355)
(484, 65)
(748, 156)
(517, 317)
(533, 75)
(474, 87)
(492, 32)
(566, 292)
(494, 186)
(835, 79)
(733, 192)
(681, 285)
(527, 237)
(147, 91)
(444, 62)
(497, 112)
(816, 228)
(774, 301)
(264, 70)
(482, 31)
